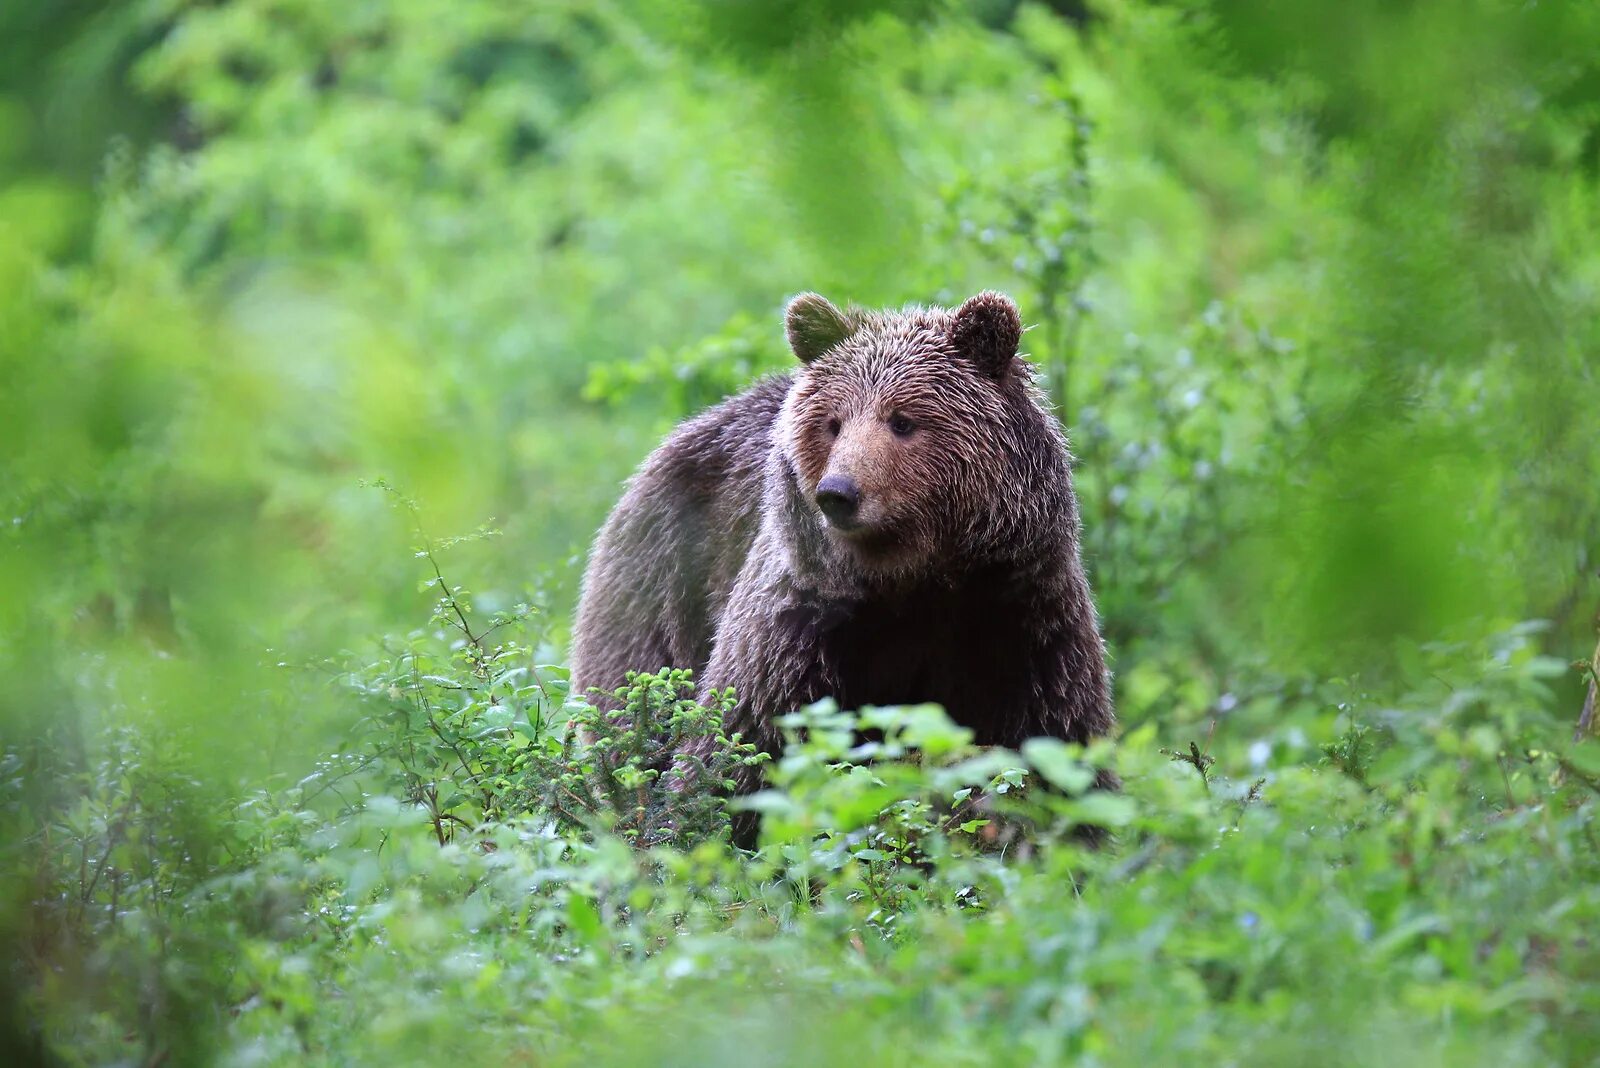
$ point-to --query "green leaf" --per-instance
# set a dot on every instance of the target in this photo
(1059, 764)
(583, 919)
(1102, 809)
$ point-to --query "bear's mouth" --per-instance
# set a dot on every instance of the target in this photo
(866, 539)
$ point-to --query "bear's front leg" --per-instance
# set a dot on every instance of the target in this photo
(768, 651)
(1071, 692)
(1071, 698)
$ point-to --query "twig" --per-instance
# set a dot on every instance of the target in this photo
(1586, 718)
(113, 835)
(476, 640)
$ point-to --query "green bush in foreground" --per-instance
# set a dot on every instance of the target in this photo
(466, 727)
(479, 877)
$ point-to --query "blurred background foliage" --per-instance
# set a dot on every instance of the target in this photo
(1315, 288)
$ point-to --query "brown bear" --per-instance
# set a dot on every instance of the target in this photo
(893, 523)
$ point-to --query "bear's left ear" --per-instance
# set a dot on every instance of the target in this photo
(814, 326)
(987, 330)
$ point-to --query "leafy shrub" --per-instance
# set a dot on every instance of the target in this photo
(613, 766)
(472, 732)
(1411, 907)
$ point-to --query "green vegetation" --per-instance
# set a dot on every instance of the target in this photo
(1316, 289)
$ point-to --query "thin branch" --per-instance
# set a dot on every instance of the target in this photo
(1586, 717)
(113, 835)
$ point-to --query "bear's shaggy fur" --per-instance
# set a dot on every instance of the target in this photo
(893, 523)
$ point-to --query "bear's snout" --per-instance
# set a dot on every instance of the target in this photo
(838, 497)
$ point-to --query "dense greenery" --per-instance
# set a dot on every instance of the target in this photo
(315, 315)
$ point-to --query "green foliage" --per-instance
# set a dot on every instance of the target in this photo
(1351, 752)
(627, 766)
(470, 731)
(678, 384)
(1315, 290)
(1423, 911)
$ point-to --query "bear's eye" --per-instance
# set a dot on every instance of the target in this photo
(900, 425)
(833, 427)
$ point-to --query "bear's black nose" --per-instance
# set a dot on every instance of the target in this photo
(838, 496)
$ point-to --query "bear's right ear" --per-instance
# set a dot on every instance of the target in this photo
(814, 326)
(987, 330)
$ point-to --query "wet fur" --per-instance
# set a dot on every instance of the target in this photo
(967, 589)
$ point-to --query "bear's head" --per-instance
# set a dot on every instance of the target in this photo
(905, 432)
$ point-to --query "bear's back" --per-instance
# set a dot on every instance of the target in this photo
(663, 564)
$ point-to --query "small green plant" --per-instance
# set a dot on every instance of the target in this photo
(1196, 757)
(614, 768)
(460, 703)
(1352, 752)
